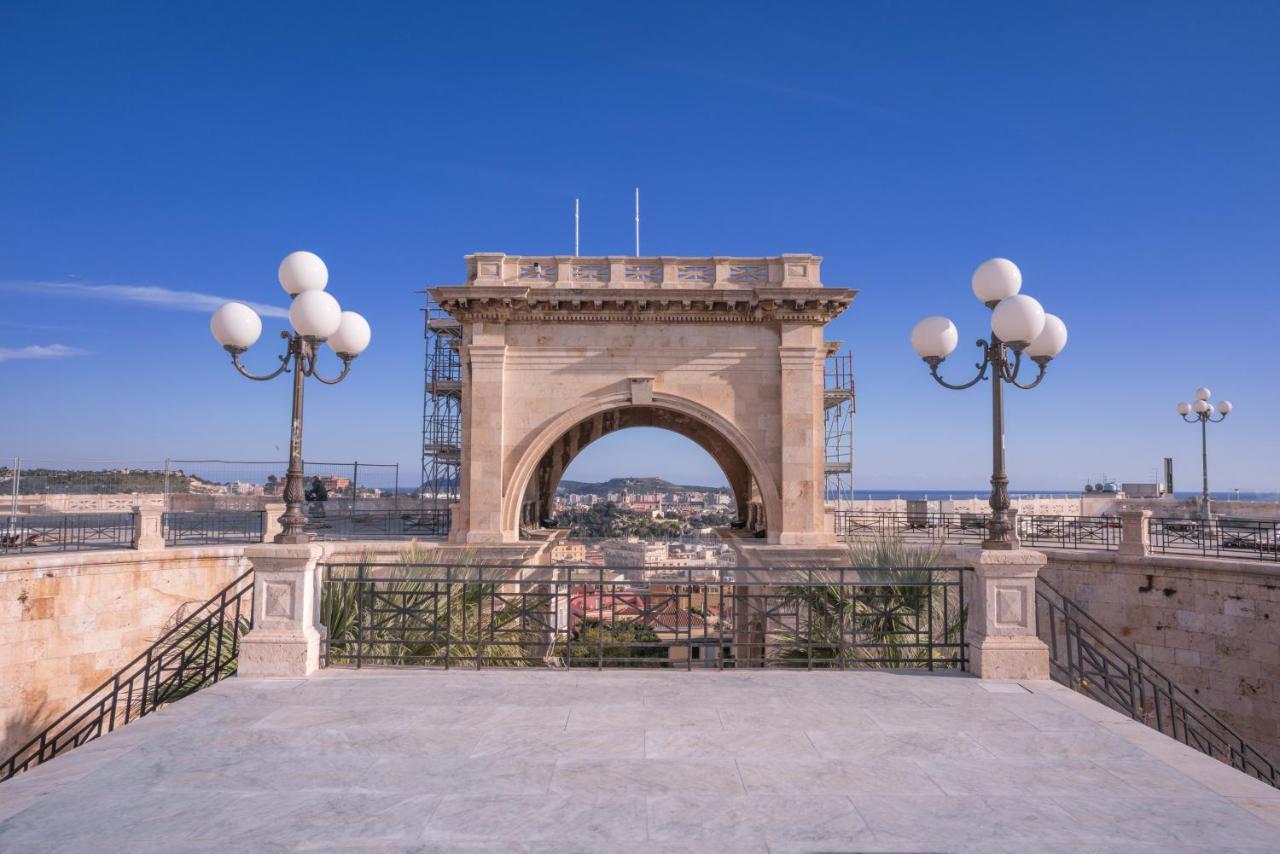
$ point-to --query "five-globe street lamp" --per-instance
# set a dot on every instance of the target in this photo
(1018, 324)
(316, 318)
(1202, 411)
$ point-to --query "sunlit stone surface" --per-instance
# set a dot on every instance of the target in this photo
(636, 761)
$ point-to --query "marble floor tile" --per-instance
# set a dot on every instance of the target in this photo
(630, 761)
(641, 777)
(834, 776)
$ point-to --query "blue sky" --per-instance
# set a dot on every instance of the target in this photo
(1124, 154)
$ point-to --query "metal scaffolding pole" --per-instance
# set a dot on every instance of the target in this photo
(839, 405)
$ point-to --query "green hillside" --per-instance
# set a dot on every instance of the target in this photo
(633, 484)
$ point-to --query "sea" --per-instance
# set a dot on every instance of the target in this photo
(934, 494)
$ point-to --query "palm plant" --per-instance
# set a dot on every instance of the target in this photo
(401, 617)
(880, 611)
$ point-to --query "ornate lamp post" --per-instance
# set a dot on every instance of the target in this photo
(316, 318)
(1202, 411)
(1018, 324)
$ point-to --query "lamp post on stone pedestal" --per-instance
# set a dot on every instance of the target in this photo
(286, 635)
(1002, 623)
(1018, 326)
(1201, 412)
(316, 318)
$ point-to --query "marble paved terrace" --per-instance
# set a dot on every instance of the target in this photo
(635, 761)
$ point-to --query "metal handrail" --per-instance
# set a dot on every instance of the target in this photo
(478, 616)
(199, 650)
(1087, 657)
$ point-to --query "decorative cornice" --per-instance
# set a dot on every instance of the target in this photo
(470, 303)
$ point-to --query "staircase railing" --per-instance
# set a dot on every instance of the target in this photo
(1086, 657)
(200, 650)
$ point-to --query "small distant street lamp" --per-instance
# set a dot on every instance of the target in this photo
(1018, 323)
(316, 318)
(1202, 411)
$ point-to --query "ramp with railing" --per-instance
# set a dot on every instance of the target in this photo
(1086, 657)
(200, 650)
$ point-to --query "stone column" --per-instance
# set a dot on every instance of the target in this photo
(1001, 626)
(285, 640)
(483, 364)
(801, 351)
(271, 514)
(1135, 533)
(148, 530)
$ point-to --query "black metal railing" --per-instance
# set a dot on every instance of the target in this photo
(200, 650)
(211, 527)
(582, 616)
(389, 524)
(912, 526)
(66, 532)
(1087, 658)
(1099, 533)
(1236, 538)
(1065, 532)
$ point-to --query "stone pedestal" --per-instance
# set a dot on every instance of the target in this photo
(148, 531)
(1135, 533)
(285, 640)
(271, 526)
(1001, 627)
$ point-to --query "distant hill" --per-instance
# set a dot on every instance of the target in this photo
(633, 484)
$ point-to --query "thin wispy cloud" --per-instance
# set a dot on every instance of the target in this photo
(155, 297)
(842, 102)
(40, 351)
(34, 327)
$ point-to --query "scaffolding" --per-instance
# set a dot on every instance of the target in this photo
(839, 404)
(441, 407)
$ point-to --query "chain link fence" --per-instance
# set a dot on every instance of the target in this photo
(32, 487)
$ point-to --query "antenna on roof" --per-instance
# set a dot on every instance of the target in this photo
(637, 222)
(575, 228)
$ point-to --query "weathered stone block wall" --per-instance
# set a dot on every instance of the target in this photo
(1213, 626)
(68, 621)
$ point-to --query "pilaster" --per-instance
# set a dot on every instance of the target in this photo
(484, 364)
(800, 355)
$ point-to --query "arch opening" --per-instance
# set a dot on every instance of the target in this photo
(537, 504)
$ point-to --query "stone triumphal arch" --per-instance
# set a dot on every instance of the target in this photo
(558, 351)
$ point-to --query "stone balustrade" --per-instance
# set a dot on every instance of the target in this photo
(497, 269)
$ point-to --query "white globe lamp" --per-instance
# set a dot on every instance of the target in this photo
(934, 338)
(1203, 393)
(236, 326)
(315, 314)
(1018, 320)
(1184, 408)
(352, 336)
(995, 280)
(1224, 407)
(301, 272)
(1050, 341)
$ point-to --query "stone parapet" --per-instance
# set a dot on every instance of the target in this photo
(148, 528)
(497, 269)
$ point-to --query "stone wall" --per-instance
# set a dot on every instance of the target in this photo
(68, 621)
(1212, 626)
